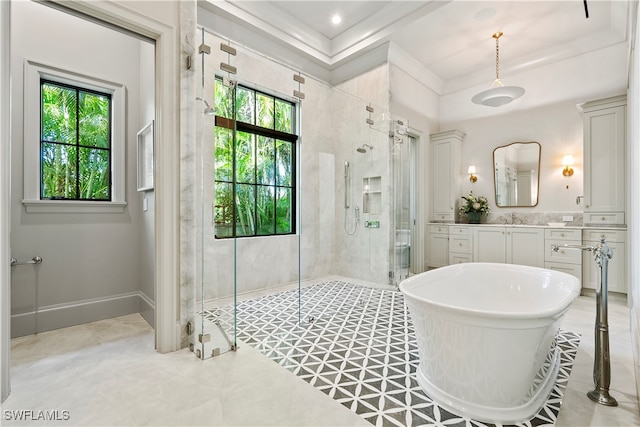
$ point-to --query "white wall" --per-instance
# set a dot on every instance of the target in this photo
(91, 266)
(558, 129)
(147, 203)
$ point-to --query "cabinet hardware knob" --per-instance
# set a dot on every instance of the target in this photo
(603, 218)
(561, 234)
(602, 236)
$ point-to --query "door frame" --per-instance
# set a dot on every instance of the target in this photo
(167, 179)
(5, 195)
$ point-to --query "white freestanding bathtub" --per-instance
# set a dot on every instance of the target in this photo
(487, 336)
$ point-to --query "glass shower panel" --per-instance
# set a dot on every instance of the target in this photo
(363, 177)
(215, 323)
(402, 203)
(251, 207)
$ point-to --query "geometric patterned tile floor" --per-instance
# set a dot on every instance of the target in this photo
(358, 346)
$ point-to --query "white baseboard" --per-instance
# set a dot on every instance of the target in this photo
(58, 316)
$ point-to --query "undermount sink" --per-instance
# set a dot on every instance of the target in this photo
(556, 224)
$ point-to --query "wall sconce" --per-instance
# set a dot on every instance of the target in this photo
(567, 162)
(472, 173)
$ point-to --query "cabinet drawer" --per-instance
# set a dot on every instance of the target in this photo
(444, 216)
(461, 244)
(459, 231)
(573, 269)
(596, 235)
(563, 234)
(438, 229)
(564, 255)
(604, 218)
(459, 258)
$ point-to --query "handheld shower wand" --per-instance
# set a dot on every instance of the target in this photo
(347, 200)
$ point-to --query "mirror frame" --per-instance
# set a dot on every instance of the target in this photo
(495, 183)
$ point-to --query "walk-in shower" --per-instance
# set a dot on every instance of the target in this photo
(251, 181)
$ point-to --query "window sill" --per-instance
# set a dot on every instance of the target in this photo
(72, 206)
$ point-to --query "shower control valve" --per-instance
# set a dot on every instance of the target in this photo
(372, 224)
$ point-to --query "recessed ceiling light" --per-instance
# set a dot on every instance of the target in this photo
(336, 19)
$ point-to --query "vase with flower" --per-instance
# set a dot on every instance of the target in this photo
(474, 208)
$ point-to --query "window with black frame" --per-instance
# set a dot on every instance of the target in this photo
(75, 143)
(255, 163)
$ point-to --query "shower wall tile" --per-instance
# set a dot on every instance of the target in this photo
(188, 158)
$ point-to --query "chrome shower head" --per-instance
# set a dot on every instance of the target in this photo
(364, 147)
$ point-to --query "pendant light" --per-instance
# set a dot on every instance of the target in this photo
(498, 94)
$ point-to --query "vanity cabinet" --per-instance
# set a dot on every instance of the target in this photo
(530, 245)
(604, 133)
(566, 260)
(437, 245)
(460, 244)
(446, 174)
(615, 239)
(513, 245)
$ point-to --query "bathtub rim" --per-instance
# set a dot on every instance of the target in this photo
(557, 311)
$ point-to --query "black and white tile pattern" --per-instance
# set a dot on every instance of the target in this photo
(357, 345)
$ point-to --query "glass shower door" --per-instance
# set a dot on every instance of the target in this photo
(248, 284)
(402, 146)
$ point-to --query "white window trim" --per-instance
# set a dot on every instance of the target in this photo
(33, 73)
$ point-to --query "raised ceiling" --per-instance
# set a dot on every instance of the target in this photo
(450, 39)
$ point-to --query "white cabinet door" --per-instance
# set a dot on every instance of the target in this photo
(446, 173)
(604, 136)
(616, 271)
(489, 244)
(438, 250)
(525, 246)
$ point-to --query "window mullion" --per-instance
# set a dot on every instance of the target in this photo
(78, 195)
(275, 182)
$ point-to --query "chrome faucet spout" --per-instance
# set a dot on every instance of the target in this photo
(556, 248)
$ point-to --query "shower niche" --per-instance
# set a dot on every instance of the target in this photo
(372, 195)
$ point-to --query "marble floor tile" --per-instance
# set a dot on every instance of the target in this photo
(108, 374)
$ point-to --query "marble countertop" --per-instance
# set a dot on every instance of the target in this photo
(569, 227)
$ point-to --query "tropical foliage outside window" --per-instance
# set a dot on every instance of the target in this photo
(255, 152)
(75, 143)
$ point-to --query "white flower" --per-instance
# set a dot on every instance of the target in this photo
(476, 206)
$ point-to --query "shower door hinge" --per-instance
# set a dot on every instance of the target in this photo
(189, 64)
(189, 328)
(391, 274)
(204, 49)
(203, 338)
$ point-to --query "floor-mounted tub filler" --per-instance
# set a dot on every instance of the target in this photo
(486, 336)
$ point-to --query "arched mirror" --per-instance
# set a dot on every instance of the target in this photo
(517, 174)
